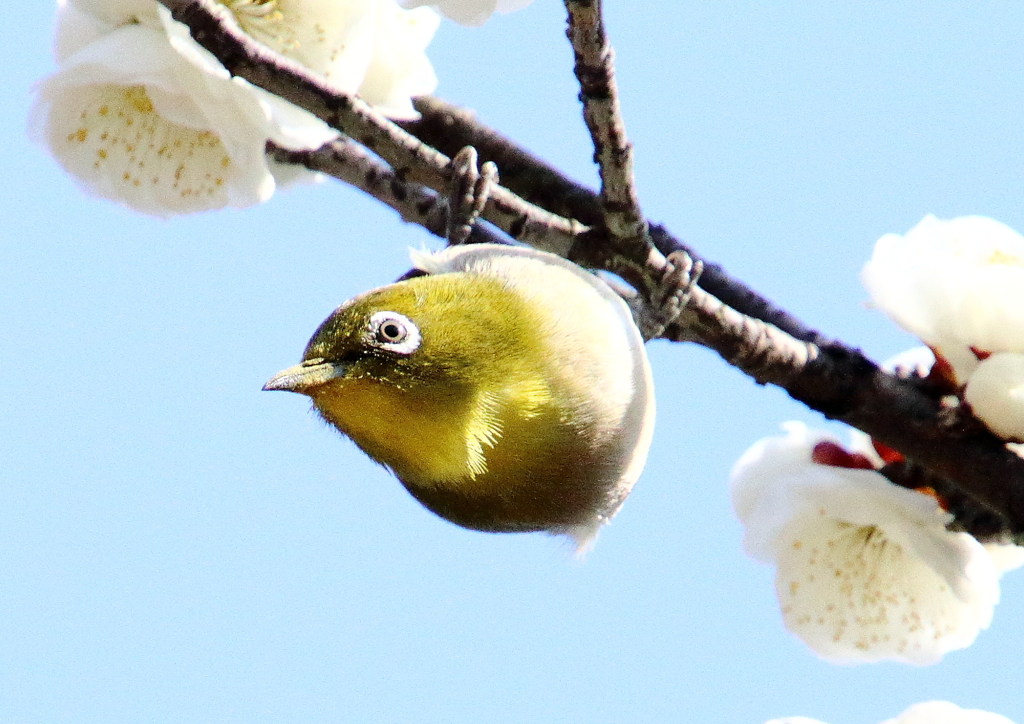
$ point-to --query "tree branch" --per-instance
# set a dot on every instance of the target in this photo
(347, 161)
(595, 71)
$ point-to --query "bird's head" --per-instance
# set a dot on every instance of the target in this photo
(447, 330)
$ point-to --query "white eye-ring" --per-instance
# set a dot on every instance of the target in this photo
(394, 332)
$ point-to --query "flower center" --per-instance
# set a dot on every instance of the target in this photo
(136, 97)
(113, 139)
(1003, 259)
(263, 20)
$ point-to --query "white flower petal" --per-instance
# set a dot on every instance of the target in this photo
(943, 712)
(269, 117)
(508, 6)
(956, 284)
(757, 499)
(145, 116)
(140, 113)
(471, 13)
(81, 22)
(995, 391)
(1005, 556)
(928, 712)
(370, 47)
(866, 570)
(851, 593)
(333, 38)
(111, 141)
(113, 117)
(399, 69)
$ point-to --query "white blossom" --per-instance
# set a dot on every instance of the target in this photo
(865, 570)
(943, 712)
(472, 13)
(140, 113)
(995, 391)
(928, 712)
(370, 47)
(958, 285)
(1005, 556)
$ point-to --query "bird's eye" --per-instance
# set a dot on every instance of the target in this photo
(391, 332)
(394, 332)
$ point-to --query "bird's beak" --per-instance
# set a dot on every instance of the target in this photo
(305, 376)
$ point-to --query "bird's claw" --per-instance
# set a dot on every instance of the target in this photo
(471, 187)
(671, 295)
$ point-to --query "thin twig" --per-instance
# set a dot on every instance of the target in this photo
(347, 161)
(631, 253)
(595, 71)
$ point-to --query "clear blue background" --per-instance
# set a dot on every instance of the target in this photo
(177, 546)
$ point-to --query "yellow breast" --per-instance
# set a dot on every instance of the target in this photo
(446, 434)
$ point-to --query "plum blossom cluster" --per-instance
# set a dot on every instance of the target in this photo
(865, 570)
(928, 712)
(139, 113)
(958, 285)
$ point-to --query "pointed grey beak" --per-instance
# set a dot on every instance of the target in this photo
(305, 376)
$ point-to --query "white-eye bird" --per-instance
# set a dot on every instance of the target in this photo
(508, 389)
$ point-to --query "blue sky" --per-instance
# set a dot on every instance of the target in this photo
(177, 546)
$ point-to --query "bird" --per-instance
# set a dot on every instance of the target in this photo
(506, 388)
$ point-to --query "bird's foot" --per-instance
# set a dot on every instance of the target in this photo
(671, 295)
(471, 187)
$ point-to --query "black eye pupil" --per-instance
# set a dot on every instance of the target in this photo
(391, 331)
